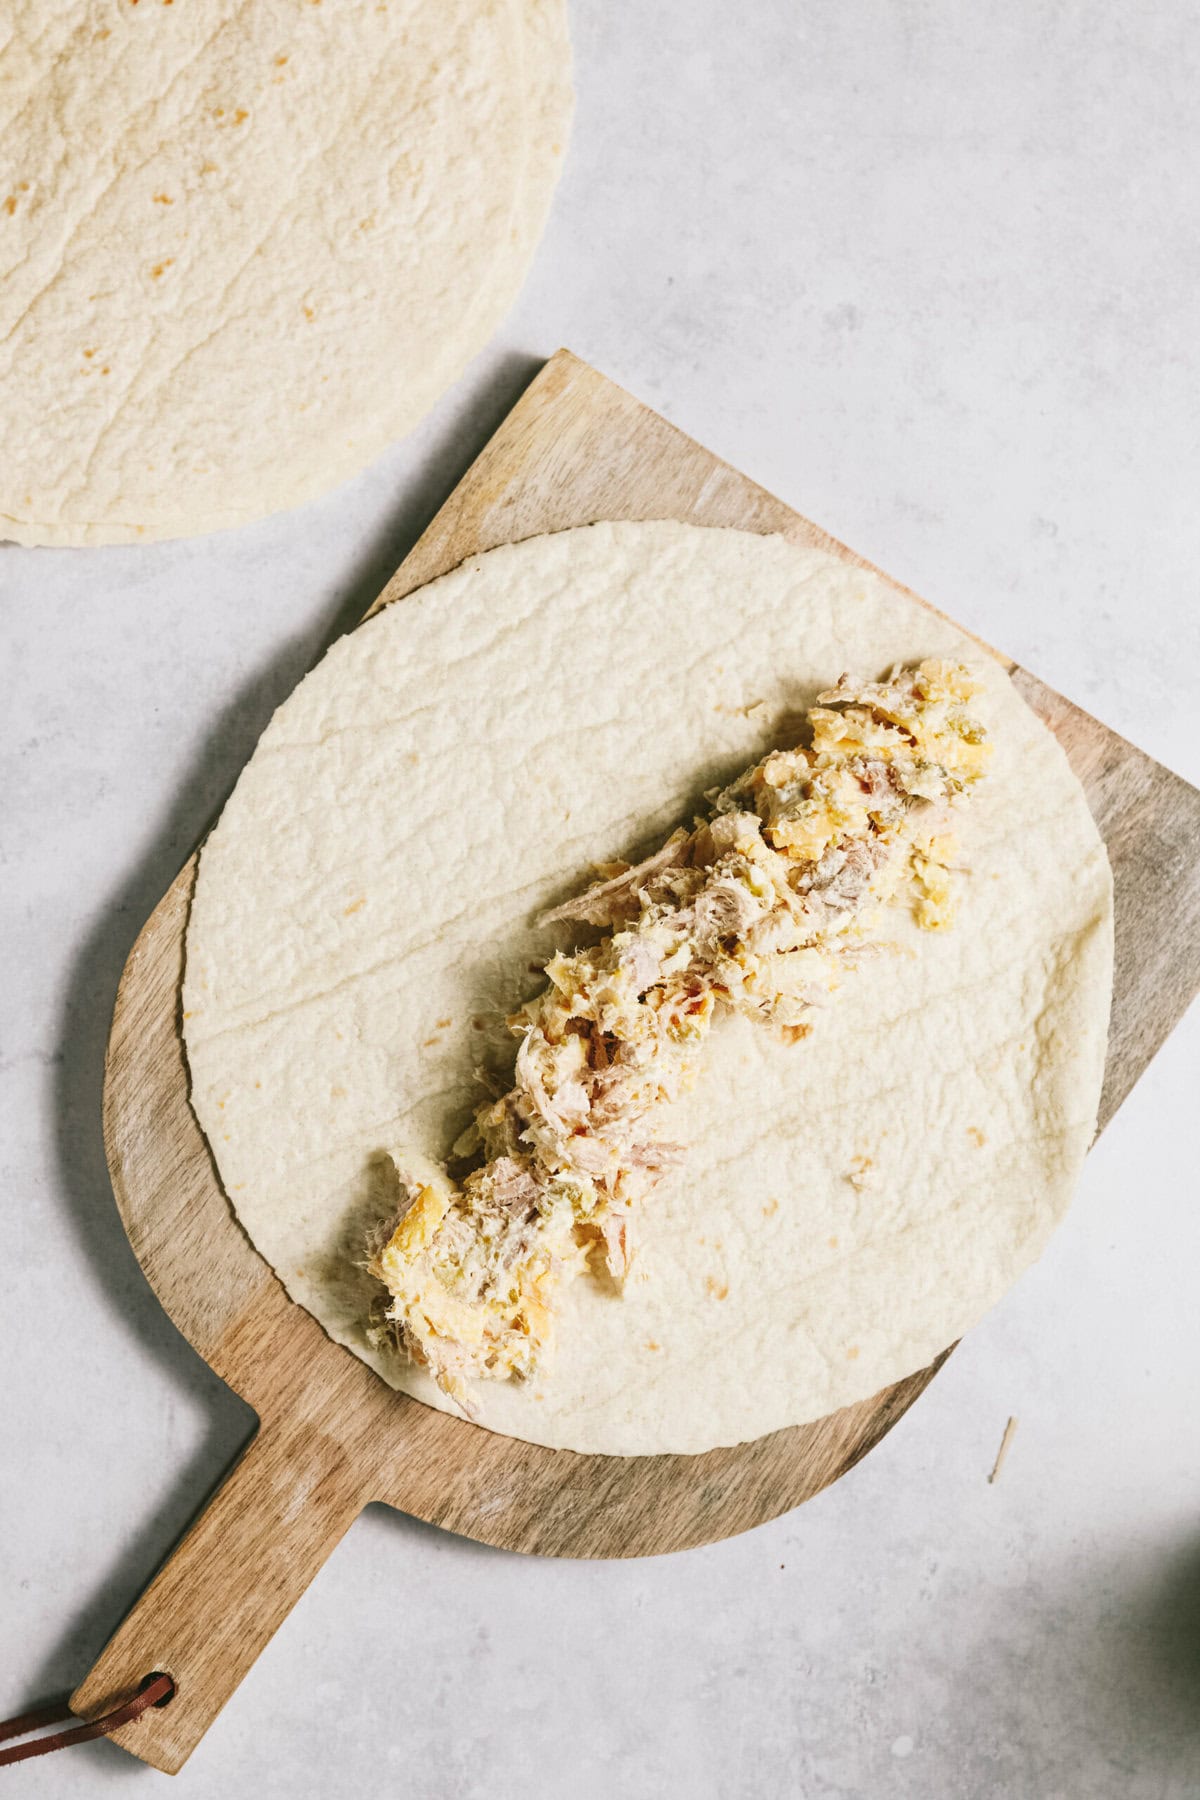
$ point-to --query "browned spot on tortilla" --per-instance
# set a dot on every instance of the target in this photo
(795, 1034)
(833, 1243)
(161, 268)
(651, 1345)
(163, 199)
(974, 1132)
(859, 1173)
(444, 1024)
(718, 1289)
(770, 1209)
(355, 905)
(851, 1353)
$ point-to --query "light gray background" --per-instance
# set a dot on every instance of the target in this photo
(930, 273)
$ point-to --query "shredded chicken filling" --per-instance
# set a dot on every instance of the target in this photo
(760, 909)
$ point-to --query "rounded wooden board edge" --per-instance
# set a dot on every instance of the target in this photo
(501, 499)
(234, 1310)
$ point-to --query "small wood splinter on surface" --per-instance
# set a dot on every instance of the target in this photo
(1002, 1452)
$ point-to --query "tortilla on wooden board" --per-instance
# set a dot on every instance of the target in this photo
(364, 918)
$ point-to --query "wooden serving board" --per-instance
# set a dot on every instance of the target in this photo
(332, 1436)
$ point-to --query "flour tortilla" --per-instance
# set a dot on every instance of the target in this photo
(243, 248)
(363, 918)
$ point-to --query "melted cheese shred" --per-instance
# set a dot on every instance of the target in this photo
(760, 909)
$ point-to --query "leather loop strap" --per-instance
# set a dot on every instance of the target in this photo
(156, 1690)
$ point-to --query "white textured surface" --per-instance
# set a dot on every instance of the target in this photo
(930, 275)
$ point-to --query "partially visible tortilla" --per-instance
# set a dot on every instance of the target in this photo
(243, 248)
(363, 918)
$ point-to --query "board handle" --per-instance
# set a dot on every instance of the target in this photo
(225, 1590)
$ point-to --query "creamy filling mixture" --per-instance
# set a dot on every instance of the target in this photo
(760, 909)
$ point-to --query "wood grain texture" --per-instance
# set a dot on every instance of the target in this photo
(332, 1436)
